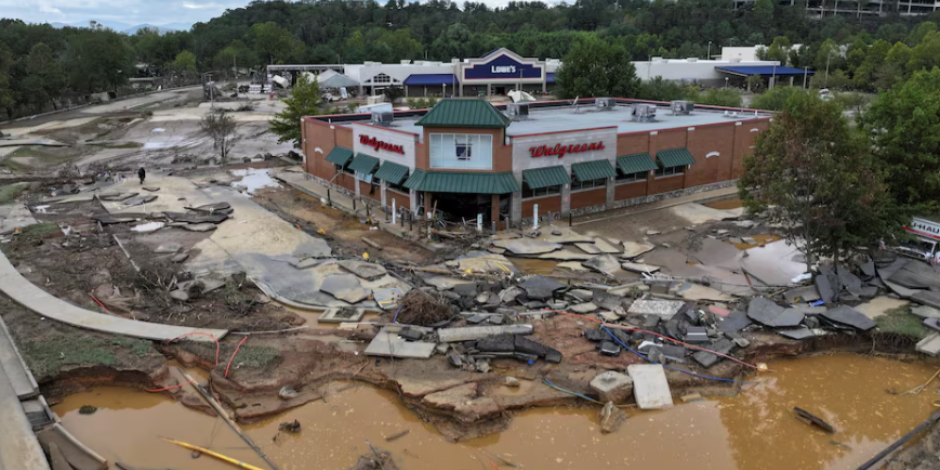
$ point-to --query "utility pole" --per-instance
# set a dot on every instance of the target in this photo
(708, 56)
(828, 58)
(235, 64)
(805, 74)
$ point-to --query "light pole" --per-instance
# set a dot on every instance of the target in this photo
(726, 82)
(805, 74)
(708, 56)
(828, 58)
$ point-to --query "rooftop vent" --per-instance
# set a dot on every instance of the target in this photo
(682, 108)
(605, 104)
(382, 118)
(518, 111)
(644, 112)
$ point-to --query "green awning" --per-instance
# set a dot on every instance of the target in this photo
(364, 163)
(675, 157)
(545, 177)
(339, 156)
(589, 171)
(392, 173)
(465, 183)
(636, 163)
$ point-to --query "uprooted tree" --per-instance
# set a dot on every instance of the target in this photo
(221, 127)
(814, 175)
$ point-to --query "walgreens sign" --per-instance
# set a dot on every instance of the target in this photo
(377, 144)
(560, 150)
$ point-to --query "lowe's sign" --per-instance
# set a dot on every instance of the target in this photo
(505, 68)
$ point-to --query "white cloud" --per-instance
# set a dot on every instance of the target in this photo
(194, 6)
(45, 8)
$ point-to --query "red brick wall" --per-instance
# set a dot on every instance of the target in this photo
(546, 204)
(591, 197)
(401, 200)
(666, 184)
(347, 181)
(703, 141)
(364, 189)
(628, 144)
(744, 139)
(630, 190)
(318, 135)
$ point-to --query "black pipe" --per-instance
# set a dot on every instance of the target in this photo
(900, 442)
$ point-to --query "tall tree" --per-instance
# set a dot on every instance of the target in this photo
(596, 68)
(46, 79)
(814, 175)
(905, 127)
(185, 63)
(6, 92)
(305, 100)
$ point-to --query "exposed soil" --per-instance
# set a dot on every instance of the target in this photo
(344, 231)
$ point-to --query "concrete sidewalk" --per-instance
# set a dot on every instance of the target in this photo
(663, 204)
(19, 449)
(25, 293)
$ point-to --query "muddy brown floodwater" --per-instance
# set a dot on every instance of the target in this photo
(753, 431)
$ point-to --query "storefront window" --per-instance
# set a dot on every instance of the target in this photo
(461, 151)
(590, 184)
(672, 170)
(528, 192)
(397, 187)
(631, 177)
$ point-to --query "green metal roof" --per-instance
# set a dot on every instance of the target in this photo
(545, 177)
(636, 163)
(595, 170)
(391, 172)
(464, 113)
(675, 157)
(467, 183)
(364, 163)
(339, 156)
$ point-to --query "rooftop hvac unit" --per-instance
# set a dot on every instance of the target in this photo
(605, 104)
(518, 111)
(644, 112)
(682, 108)
(383, 118)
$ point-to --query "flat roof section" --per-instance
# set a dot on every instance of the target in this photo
(588, 116)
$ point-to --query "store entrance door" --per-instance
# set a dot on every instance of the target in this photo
(464, 207)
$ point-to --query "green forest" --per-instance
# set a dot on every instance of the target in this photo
(42, 67)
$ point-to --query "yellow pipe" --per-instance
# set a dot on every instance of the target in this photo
(213, 454)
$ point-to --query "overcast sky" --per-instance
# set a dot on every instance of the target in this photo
(132, 12)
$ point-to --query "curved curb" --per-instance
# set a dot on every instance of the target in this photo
(25, 293)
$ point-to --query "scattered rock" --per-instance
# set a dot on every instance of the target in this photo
(611, 418)
(287, 392)
(204, 227)
(291, 427)
(612, 386)
(511, 382)
(180, 295)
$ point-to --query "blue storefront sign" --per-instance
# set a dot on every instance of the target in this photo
(503, 67)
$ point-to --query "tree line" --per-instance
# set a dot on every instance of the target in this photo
(41, 66)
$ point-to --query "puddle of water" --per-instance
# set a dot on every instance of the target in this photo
(534, 266)
(755, 431)
(254, 179)
(725, 204)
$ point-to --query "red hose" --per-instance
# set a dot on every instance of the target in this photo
(659, 335)
(233, 355)
(99, 303)
(218, 347)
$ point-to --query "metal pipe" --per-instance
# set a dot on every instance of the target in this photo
(900, 442)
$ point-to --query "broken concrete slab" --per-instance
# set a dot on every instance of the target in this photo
(363, 269)
(607, 247)
(179, 295)
(690, 291)
(115, 197)
(588, 248)
(345, 287)
(650, 387)
(708, 359)
(885, 273)
(148, 227)
(482, 262)
(305, 263)
(567, 254)
(204, 227)
(802, 294)
(925, 311)
(797, 333)
(663, 308)
(166, 248)
(341, 315)
(540, 287)
(509, 294)
(473, 333)
(880, 306)
(634, 249)
(611, 418)
(152, 189)
(572, 266)
(107, 219)
(765, 312)
(824, 288)
(444, 282)
(639, 267)
(916, 274)
(849, 316)
(850, 282)
(717, 253)
(583, 308)
(387, 343)
(929, 345)
(926, 297)
(583, 295)
(607, 265)
(196, 218)
(612, 386)
(139, 200)
(179, 258)
(526, 246)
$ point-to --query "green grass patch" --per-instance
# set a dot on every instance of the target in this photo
(40, 230)
(52, 355)
(9, 192)
(901, 321)
(257, 357)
